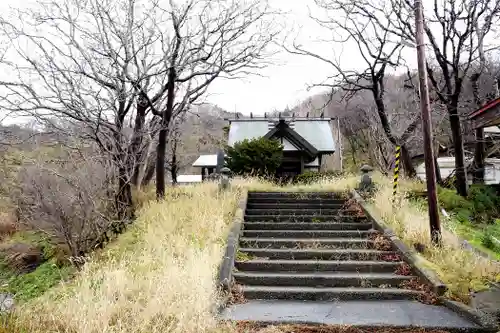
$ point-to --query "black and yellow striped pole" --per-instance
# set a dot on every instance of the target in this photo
(396, 171)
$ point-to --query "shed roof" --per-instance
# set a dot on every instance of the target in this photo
(484, 108)
(206, 161)
(487, 115)
(316, 131)
(189, 179)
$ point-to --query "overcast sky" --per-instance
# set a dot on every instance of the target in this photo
(285, 82)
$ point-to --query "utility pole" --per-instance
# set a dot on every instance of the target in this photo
(339, 144)
(430, 171)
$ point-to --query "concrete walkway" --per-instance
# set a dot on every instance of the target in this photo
(359, 313)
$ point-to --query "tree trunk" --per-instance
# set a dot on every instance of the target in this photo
(135, 154)
(478, 164)
(173, 173)
(479, 156)
(162, 139)
(456, 133)
(123, 196)
(439, 178)
(149, 173)
(410, 171)
(141, 168)
(353, 150)
(173, 164)
(160, 163)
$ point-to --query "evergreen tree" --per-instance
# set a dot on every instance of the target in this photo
(257, 157)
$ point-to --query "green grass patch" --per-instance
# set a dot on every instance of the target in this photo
(475, 218)
(27, 286)
(481, 236)
(242, 256)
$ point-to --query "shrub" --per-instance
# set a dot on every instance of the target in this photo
(480, 206)
(257, 157)
(486, 202)
(489, 238)
(69, 202)
(463, 215)
(310, 177)
(450, 200)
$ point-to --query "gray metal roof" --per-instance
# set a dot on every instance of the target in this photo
(241, 130)
(316, 131)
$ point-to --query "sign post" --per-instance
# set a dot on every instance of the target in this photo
(396, 172)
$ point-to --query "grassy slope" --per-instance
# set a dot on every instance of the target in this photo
(460, 269)
(160, 275)
(456, 220)
(475, 236)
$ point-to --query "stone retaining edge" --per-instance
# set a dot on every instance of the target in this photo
(227, 265)
(487, 322)
(408, 254)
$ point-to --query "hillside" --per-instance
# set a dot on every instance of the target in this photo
(363, 137)
(201, 133)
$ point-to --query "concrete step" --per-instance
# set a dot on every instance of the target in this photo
(299, 195)
(301, 211)
(408, 316)
(328, 294)
(306, 243)
(275, 200)
(305, 226)
(319, 254)
(363, 266)
(321, 279)
(304, 218)
(308, 233)
(288, 205)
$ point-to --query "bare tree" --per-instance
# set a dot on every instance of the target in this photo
(211, 39)
(80, 62)
(111, 67)
(173, 163)
(68, 199)
(456, 30)
(351, 23)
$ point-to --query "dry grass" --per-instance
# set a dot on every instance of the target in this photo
(460, 269)
(330, 184)
(159, 277)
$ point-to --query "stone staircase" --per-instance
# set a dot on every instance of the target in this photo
(307, 258)
(309, 247)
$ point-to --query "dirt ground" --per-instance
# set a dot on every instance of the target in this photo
(246, 327)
